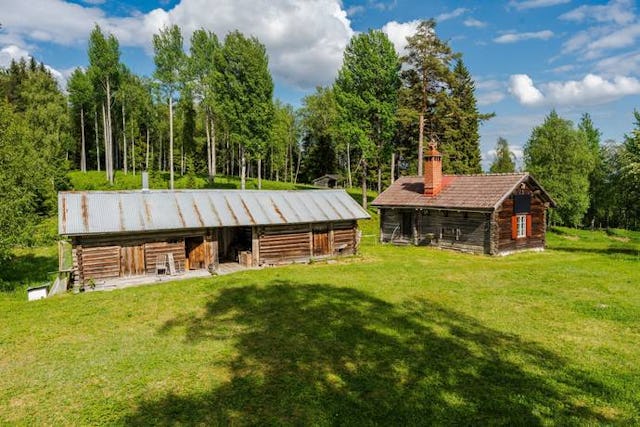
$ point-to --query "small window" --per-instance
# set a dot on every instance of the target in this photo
(522, 226)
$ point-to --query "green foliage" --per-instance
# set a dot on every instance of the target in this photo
(283, 137)
(504, 161)
(169, 58)
(559, 157)
(245, 91)
(321, 143)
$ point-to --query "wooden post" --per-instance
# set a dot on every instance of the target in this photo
(255, 247)
(331, 243)
(310, 240)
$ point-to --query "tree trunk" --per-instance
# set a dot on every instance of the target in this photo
(171, 141)
(109, 133)
(242, 173)
(208, 134)
(379, 177)
(364, 184)
(349, 166)
(124, 137)
(133, 152)
(213, 149)
(393, 167)
(95, 132)
(106, 141)
(83, 153)
(420, 144)
(259, 173)
(146, 160)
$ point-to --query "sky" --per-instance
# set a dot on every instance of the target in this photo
(526, 56)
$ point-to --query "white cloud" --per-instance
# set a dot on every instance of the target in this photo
(563, 68)
(450, 15)
(472, 22)
(305, 40)
(618, 11)
(355, 10)
(488, 98)
(625, 64)
(10, 52)
(591, 90)
(534, 4)
(522, 87)
(398, 33)
(516, 37)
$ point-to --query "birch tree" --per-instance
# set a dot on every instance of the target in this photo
(169, 60)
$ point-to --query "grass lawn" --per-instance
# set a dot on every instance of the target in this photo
(393, 336)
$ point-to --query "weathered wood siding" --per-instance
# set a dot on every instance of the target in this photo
(464, 231)
(154, 250)
(99, 262)
(504, 214)
(284, 244)
(345, 237)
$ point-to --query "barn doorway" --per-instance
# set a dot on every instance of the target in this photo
(232, 241)
(195, 253)
(320, 240)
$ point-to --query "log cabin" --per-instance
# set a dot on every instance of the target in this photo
(494, 214)
(131, 233)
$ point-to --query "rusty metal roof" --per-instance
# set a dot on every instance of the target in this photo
(470, 192)
(99, 212)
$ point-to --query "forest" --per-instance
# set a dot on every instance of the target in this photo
(208, 110)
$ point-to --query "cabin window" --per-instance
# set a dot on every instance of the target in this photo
(522, 226)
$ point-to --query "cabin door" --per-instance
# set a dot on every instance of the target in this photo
(195, 253)
(132, 260)
(406, 225)
(320, 240)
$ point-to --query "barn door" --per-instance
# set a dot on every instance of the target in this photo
(320, 240)
(195, 252)
(132, 260)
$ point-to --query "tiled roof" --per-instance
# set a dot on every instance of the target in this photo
(484, 192)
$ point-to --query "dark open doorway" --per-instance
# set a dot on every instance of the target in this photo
(232, 241)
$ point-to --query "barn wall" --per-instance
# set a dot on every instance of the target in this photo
(283, 244)
(505, 242)
(465, 231)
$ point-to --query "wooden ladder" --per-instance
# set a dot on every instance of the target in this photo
(172, 264)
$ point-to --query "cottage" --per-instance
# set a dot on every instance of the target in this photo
(129, 233)
(328, 181)
(486, 213)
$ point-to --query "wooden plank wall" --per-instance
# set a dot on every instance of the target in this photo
(98, 262)
(153, 250)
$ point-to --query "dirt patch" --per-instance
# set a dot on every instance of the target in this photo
(572, 238)
(620, 239)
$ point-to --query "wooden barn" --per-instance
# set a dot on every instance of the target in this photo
(485, 213)
(328, 181)
(130, 233)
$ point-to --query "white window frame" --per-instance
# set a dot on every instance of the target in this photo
(522, 226)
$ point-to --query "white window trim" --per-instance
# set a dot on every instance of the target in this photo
(522, 226)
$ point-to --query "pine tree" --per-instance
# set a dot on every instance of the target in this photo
(427, 75)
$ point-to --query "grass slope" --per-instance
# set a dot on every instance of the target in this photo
(393, 336)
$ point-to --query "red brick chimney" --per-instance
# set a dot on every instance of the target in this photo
(432, 171)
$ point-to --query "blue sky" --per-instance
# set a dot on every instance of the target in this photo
(527, 56)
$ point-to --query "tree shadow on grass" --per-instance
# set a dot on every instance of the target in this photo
(319, 354)
(26, 269)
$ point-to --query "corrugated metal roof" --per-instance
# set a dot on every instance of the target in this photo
(99, 212)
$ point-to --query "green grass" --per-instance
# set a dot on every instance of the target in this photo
(393, 336)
